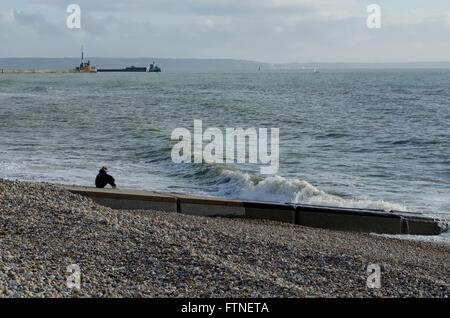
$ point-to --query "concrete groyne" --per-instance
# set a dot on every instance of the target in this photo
(344, 219)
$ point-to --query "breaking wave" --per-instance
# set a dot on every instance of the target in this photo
(240, 185)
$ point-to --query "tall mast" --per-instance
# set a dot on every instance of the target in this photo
(82, 55)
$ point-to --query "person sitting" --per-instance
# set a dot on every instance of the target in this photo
(103, 178)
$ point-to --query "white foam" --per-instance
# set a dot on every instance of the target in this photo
(10, 166)
(283, 190)
(442, 239)
(280, 189)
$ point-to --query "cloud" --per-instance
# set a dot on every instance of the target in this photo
(266, 30)
(6, 16)
(329, 8)
(36, 22)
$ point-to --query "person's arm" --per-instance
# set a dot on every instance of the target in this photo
(111, 181)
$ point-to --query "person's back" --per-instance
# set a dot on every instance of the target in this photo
(103, 178)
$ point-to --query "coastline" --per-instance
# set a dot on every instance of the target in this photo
(44, 228)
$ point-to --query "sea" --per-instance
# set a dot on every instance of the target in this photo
(376, 138)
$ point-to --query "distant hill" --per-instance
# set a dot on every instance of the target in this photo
(293, 66)
(198, 64)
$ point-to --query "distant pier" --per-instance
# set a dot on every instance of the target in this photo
(7, 71)
(83, 68)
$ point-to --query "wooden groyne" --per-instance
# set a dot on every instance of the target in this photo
(344, 219)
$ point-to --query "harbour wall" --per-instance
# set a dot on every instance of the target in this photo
(334, 218)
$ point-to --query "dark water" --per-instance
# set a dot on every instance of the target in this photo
(378, 139)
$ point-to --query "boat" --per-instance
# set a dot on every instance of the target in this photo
(85, 67)
(126, 69)
(153, 68)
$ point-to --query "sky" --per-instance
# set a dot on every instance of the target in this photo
(273, 31)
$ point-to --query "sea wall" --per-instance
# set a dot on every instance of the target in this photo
(344, 219)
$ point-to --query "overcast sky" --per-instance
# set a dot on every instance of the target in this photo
(264, 30)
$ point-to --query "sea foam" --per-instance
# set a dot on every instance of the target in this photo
(242, 185)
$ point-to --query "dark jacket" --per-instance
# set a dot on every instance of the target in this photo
(103, 179)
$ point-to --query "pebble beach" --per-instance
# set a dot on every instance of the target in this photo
(44, 228)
